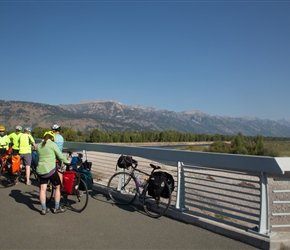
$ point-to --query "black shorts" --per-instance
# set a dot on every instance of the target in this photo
(54, 179)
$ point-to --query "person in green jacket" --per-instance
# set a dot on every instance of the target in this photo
(47, 152)
(14, 137)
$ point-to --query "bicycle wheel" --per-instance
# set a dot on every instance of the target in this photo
(22, 176)
(6, 178)
(34, 173)
(49, 192)
(157, 206)
(122, 188)
(78, 201)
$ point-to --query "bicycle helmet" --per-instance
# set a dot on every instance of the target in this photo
(55, 127)
(2, 128)
(50, 133)
(27, 129)
(19, 128)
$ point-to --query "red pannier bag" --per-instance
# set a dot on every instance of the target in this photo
(71, 182)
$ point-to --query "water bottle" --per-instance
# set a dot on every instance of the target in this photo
(145, 182)
(139, 183)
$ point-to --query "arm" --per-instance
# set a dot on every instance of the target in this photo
(59, 154)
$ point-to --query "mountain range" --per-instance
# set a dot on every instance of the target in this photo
(115, 116)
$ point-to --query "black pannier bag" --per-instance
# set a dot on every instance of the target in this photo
(125, 161)
(156, 184)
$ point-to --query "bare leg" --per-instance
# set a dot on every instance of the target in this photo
(57, 194)
(60, 176)
(27, 174)
(42, 193)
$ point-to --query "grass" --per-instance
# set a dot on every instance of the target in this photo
(280, 148)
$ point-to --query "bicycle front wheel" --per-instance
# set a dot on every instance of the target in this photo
(6, 178)
(78, 201)
(156, 205)
(122, 188)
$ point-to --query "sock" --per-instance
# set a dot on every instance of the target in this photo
(43, 206)
(56, 205)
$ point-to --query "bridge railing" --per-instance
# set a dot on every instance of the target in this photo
(230, 189)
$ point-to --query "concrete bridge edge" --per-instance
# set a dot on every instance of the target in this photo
(279, 240)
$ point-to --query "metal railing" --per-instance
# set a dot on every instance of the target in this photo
(230, 189)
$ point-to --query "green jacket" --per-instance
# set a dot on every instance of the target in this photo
(4, 142)
(47, 157)
(14, 137)
(25, 142)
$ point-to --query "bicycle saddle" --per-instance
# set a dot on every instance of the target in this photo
(154, 166)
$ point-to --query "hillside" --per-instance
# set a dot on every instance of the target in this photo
(115, 116)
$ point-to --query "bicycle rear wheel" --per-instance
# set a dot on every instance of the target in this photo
(7, 179)
(157, 206)
(78, 201)
(122, 188)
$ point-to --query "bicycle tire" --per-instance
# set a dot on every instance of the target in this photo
(49, 192)
(156, 206)
(124, 194)
(7, 179)
(34, 173)
(78, 201)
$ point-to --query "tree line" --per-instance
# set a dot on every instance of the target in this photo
(233, 144)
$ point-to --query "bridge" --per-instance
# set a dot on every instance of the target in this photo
(243, 198)
(102, 225)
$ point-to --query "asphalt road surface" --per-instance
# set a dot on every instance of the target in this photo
(103, 225)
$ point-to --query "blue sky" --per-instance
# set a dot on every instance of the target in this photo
(226, 58)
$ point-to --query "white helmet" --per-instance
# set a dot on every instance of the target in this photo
(19, 128)
(56, 127)
(28, 129)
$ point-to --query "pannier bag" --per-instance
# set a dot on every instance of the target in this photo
(156, 184)
(71, 181)
(15, 166)
(77, 162)
(125, 161)
(87, 177)
(87, 165)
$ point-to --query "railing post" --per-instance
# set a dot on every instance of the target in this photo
(121, 179)
(180, 193)
(264, 224)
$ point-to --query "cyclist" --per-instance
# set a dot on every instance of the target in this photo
(59, 142)
(4, 141)
(14, 137)
(58, 137)
(25, 142)
(47, 153)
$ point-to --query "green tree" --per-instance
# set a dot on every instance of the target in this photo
(238, 145)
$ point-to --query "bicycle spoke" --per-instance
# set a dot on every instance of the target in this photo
(6, 178)
(122, 188)
(156, 206)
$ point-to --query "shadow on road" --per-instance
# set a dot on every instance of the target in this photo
(30, 199)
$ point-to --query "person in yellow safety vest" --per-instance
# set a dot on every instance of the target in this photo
(14, 137)
(4, 141)
(25, 142)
